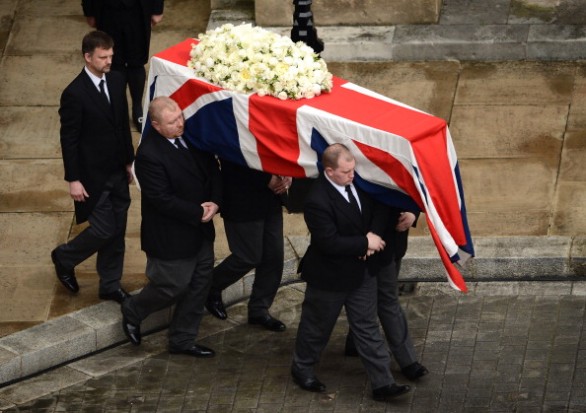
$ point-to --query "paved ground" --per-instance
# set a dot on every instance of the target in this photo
(505, 347)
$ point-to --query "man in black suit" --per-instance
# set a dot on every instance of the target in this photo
(253, 221)
(340, 272)
(129, 23)
(390, 313)
(180, 194)
(97, 156)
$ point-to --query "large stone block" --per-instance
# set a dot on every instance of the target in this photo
(488, 184)
(29, 132)
(28, 295)
(547, 11)
(27, 31)
(427, 86)
(33, 186)
(486, 131)
(27, 238)
(23, 79)
(577, 118)
(49, 8)
(548, 42)
(524, 83)
(350, 12)
(49, 344)
(570, 208)
(465, 42)
(574, 157)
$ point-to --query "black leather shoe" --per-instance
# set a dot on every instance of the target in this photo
(414, 371)
(215, 306)
(308, 383)
(196, 351)
(65, 275)
(119, 296)
(132, 331)
(268, 322)
(386, 393)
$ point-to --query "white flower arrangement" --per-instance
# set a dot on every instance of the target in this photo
(251, 59)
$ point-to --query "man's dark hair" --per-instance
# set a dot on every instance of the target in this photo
(95, 39)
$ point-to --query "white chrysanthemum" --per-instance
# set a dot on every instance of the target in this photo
(250, 59)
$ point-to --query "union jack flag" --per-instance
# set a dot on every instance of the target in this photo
(404, 157)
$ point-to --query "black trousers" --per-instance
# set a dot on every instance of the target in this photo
(104, 236)
(254, 245)
(184, 282)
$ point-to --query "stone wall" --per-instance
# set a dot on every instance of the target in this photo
(351, 12)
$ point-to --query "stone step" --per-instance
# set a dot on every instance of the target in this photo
(467, 42)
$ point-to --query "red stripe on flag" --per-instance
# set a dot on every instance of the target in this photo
(451, 269)
(426, 133)
(273, 122)
(392, 168)
(192, 90)
(179, 53)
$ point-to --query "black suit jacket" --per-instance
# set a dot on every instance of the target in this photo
(95, 137)
(338, 238)
(174, 183)
(396, 241)
(246, 195)
(106, 20)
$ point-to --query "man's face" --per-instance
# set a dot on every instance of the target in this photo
(170, 124)
(99, 61)
(343, 174)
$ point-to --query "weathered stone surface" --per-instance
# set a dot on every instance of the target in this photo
(464, 42)
(9, 366)
(486, 131)
(33, 185)
(548, 42)
(573, 156)
(524, 83)
(50, 344)
(350, 12)
(577, 118)
(7, 9)
(23, 81)
(36, 387)
(514, 222)
(27, 238)
(578, 256)
(49, 8)
(29, 133)
(497, 258)
(428, 87)
(547, 11)
(27, 31)
(487, 184)
(475, 12)
(26, 292)
(570, 211)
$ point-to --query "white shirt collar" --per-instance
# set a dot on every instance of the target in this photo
(94, 78)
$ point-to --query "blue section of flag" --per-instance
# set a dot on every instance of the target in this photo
(213, 129)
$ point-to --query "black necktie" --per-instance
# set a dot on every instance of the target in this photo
(103, 91)
(178, 144)
(352, 198)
